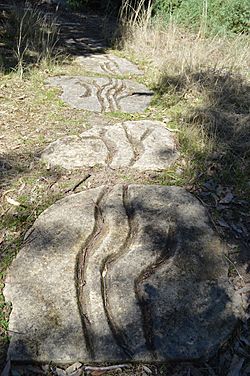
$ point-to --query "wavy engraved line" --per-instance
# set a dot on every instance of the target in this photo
(80, 268)
(120, 337)
(103, 96)
(137, 145)
(134, 146)
(109, 96)
(112, 97)
(87, 88)
(105, 142)
(144, 304)
(116, 94)
(147, 133)
(105, 68)
(112, 61)
(140, 144)
(99, 92)
(108, 68)
(110, 145)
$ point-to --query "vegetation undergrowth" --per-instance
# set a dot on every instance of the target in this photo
(31, 114)
(28, 36)
(202, 89)
(206, 17)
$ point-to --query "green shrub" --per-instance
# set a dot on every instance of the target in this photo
(218, 16)
(77, 4)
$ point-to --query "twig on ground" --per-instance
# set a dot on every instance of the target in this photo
(107, 368)
(173, 129)
(231, 262)
(87, 176)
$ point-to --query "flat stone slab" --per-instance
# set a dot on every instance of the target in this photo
(102, 94)
(108, 64)
(128, 273)
(140, 145)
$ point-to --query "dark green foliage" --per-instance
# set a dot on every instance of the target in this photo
(108, 6)
(217, 16)
(77, 4)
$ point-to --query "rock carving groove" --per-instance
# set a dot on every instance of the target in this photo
(140, 145)
(108, 64)
(82, 260)
(123, 273)
(103, 94)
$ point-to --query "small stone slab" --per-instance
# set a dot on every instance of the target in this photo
(102, 94)
(108, 64)
(128, 273)
(140, 145)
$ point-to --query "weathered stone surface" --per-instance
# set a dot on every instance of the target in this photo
(108, 64)
(123, 273)
(102, 94)
(141, 145)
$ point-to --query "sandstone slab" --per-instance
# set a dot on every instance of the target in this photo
(140, 145)
(108, 64)
(128, 273)
(102, 94)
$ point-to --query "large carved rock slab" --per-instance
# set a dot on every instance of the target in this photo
(140, 145)
(102, 94)
(108, 64)
(125, 273)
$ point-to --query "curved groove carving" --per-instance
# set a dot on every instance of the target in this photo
(82, 260)
(109, 64)
(140, 145)
(103, 94)
(144, 302)
(119, 334)
(148, 283)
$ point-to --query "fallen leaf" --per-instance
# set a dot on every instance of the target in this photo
(147, 370)
(12, 201)
(73, 368)
(21, 188)
(227, 198)
(223, 223)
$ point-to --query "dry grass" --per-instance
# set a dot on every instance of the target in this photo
(28, 36)
(202, 85)
(176, 50)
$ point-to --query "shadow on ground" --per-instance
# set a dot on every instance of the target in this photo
(224, 178)
(225, 118)
(32, 33)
